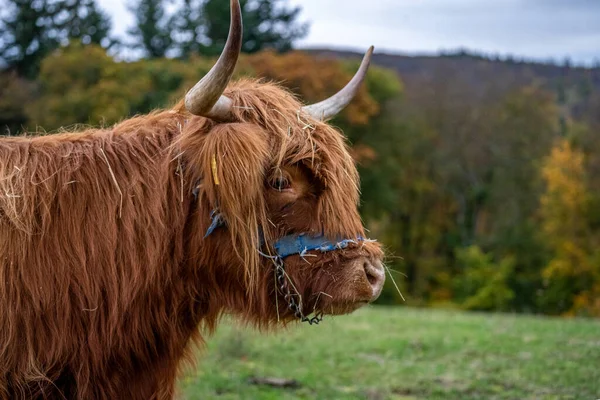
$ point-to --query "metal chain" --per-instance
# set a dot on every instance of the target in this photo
(289, 297)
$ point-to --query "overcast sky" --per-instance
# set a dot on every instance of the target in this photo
(540, 29)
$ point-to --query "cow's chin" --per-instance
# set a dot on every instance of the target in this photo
(348, 300)
(345, 296)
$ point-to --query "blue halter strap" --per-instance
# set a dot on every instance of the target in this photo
(303, 243)
(289, 245)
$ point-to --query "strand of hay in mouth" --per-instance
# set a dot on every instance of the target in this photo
(398, 272)
(394, 282)
(114, 179)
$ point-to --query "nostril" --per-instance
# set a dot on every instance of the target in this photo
(374, 274)
(371, 277)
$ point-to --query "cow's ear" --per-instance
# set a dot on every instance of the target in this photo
(234, 161)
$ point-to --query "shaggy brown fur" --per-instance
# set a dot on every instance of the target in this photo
(105, 276)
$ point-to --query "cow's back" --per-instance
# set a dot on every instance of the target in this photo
(88, 230)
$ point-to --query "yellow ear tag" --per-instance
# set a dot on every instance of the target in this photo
(213, 164)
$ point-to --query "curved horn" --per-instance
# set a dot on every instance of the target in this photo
(332, 106)
(205, 98)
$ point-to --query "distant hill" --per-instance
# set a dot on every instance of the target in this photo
(574, 86)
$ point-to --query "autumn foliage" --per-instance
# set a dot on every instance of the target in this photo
(83, 84)
(574, 265)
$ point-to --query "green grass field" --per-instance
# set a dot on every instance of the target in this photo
(403, 353)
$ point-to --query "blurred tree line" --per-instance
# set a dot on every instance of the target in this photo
(485, 201)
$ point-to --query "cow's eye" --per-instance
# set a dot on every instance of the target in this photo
(280, 183)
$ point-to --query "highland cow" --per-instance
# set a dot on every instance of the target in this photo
(119, 246)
